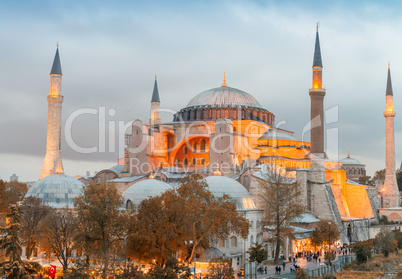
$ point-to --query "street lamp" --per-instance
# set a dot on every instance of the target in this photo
(329, 236)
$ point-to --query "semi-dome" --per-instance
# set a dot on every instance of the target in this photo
(57, 190)
(276, 134)
(220, 185)
(144, 189)
(223, 97)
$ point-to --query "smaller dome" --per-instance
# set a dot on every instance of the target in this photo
(56, 190)
(145, 189)
(220, 185)
(350, 161)
(210, 254)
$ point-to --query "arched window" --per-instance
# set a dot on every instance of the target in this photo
(99, 180)
(194, 161)
(177, 162)
(257, 226)
(221, 242)
(233, 241)
(185, 161)
(202, 147)
(195, 147)
(202, 161)
(107, 176)
(251, 224)
(185, 150)
(129, 205)
(251, 240)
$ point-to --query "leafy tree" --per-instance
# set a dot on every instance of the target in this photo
(322, 233)
(385, 241)
(398, 238)
(257, 253)
(366, 180)
(58, 231)
(163, 225)
(362, 249)
(135, 273)
(11, 193)
(156, 231)
(10, 243)
(379, 177)
(220, 268)
(171, 270)
(207, 217)
(100, 221)
(32, 211)
(279, 196)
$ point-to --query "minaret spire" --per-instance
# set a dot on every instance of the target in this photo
(389, 83)
(53, 163)
(155, 93)
(390, 189)
(155, 106)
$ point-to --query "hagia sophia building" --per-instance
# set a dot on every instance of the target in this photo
(226, 135)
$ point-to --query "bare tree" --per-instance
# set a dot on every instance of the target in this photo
(57, 234)
(279, 197)
(33, 211)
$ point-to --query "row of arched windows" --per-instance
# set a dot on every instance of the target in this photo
(230, 113)
(195, 147)
(194, 161)
(358, 171)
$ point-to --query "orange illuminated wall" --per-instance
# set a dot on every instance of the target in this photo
(195, 148)
(352, 200)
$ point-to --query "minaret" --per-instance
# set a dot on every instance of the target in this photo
(155, 106)
(317, 93)
(390, 190)
(53, 163)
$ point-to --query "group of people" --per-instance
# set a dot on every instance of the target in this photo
(261, 270)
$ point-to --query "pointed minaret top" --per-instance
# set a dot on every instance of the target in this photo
(56, 68)
(389, 83)
(224, 80)
(155, 94)
(317, 51)
(348, 155)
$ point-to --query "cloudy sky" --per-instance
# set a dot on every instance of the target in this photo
(111, 50)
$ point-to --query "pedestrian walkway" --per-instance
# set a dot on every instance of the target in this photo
(303, 263)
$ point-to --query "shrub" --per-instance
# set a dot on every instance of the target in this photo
(301, 274)
(362, 249)
(328, 276)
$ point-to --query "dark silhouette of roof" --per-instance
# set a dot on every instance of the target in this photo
(56, 68)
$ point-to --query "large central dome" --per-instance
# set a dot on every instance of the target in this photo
(224, 96)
